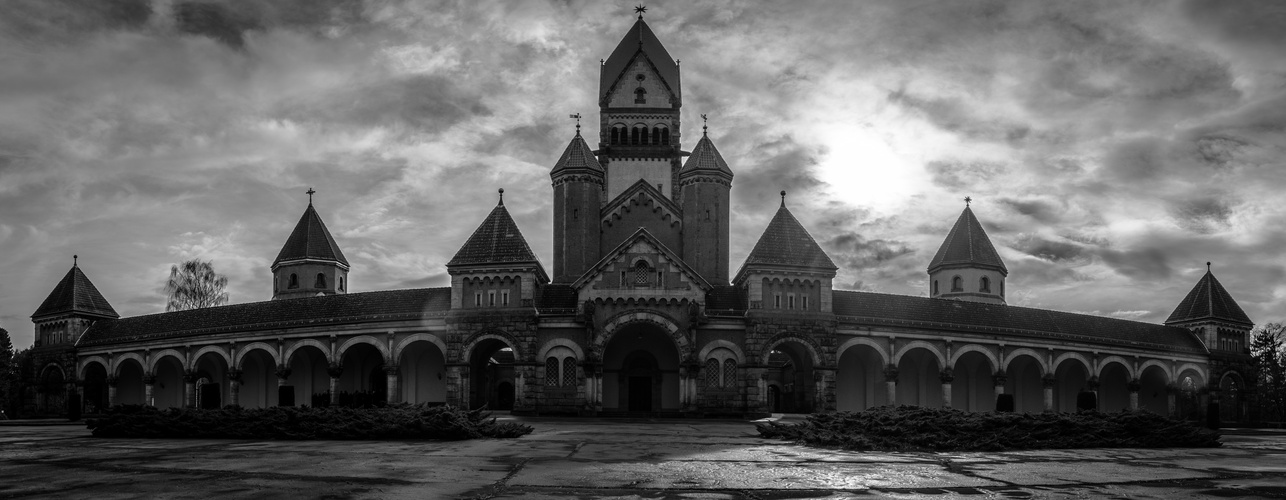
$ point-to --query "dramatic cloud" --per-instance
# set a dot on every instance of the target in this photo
(1111, 149)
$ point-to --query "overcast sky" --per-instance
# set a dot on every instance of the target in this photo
(1111, 148)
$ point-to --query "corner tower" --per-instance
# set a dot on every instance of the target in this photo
(310, 262)
(639, 102)
(578, 197)
(69, 309)
(705, 183)
(967, 266)
(1209, 311)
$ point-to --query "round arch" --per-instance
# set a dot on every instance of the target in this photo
(417, 337)
(1058, 361)
(45, 371)
(1169, 377)
(782, 338)
(618, 322)
(467, 352)
(84, 364)
(920, 344)
(1195, 369)
(1129, 369)
(117, 361)
(544, 349)
(156, 357)
(256, 346)
(716, 344)
(956, 354)
(1025, 351)
(223, 353)
(290, 351)
(866, 341)
(382, 347)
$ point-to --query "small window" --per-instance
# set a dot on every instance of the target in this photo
(656, 135)
(804, 304)
(575, 214)
(477, 299)
(660, 279)
(634, 136)
(1002, 288)
(957, 284)
(665, 137)
(729, 372)
(643, 137)
(321, 281)
(569, 372)
(294, 281)
(984, 285)
(491, 298)
(341, 283)
(551, 372)
(640, 273)
(707, 215)
(504, 297)
(712, 372)
(791, 301)
(935, 287)
(640, 95)
(777, 300)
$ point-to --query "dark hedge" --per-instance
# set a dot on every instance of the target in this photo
(389, 422)
(914, 428)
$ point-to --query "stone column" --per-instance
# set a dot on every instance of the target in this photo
(1134, 387)
(946, 376)
(891, 383)
(1171, 391)
(111, 390)
(1049, 382)
(998, 382)
(334, 370)
(819, 398)
(283, 373)
(189, 389)
(234, 387)
(598, 387)
(685, 396)
(392, 372)
(1092, 384)
(761, 379)
(149, 390)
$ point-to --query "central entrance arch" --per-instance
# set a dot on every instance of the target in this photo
(492, 374)
(641, 369)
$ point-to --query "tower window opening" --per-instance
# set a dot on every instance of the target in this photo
(491, 298)
(504, 297)
(640, 95)
(1002, 288)
(791, 301)
(665, 136)
(656, 135)
(477, 299)
(804, 304)
(640, 273)
(643, 137)
(984, 285)
(294, 281)
(660, 279)
(634, 136)
(935, 287)
(321, 281)
(575, 214)
(341, 283)
(957, 284)
(777, 300)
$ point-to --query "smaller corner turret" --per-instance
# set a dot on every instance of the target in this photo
(310, 263)
(787, 270)
(70, 309)
(495, 268)
(1210, 312)
(967, 266)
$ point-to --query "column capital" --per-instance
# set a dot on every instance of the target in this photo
(1092, 383)
(111, 381)
(190, 376)
(891, 373)
(149, 379)
(1134, 385)
(1049, 381)
(947, 375)
(391, 369)
(283, 371)
(999, 378)
(235, 375)
(335, 370)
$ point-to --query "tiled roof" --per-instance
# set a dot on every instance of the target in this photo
(786, 242)
(496, 241)
(75, 293)
(273, 314)
(556, 298)
(705, 157)
(639, 38)
(577, 156)
(1208, 300)
(726, 298)
(310, 240)
(967, 244)
(958, 315)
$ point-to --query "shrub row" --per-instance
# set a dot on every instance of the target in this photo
(908, 428)
(390, 422)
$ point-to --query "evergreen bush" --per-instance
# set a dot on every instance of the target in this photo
(1086, 401)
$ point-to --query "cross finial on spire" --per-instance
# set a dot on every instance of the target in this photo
(783, 198)
(502, 197)
(577, 117)
(310, 196)
(704, 126)
(1207, 266)
(74, 258)
(640, 9)
(967, 200)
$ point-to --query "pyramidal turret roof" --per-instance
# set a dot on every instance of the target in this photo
(705, 157)
(496, 241)
(75, 294)
(577, 156)
(310, 240)
(786, 242)
(1208, 300)
(639, 38)
(967, 244)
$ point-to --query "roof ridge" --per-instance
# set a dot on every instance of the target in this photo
(310, 240)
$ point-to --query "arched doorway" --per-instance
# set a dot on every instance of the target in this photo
(919, 381)
(258, 380)
(309, 381)
(1231, 393)
(640, 370)
(1113, 387)
(1070, 378)
(211, 381)
(1188, 400)
(1023, 379)
(1153, 395)
(422, 375)
(491, 365)
(167, 387)
(363, 381)
(53, 390)
(95, 391)
(859, 383)
(973, 387)
(790, 365)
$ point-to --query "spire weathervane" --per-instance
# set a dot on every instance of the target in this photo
(502, 197)
(310, 196)
(640, 9)
(704, 125)
(74, 258)
(577, 117)
(1207, 266)
(783, 198)
(967, 200)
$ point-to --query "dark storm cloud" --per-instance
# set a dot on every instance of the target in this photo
(777, 165)
(228, 21)
(1144, 263)
(1050, 250)
(1257, 23)
(1042, 211)
(852, 251)
(1219, 150)
(958, 174)
(423, 103)
(955, 115)
(50, 20)
(1202, 215)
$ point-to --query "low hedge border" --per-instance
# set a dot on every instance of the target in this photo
(388, 422)
(914, 428)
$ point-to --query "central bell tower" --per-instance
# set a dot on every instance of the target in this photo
(639, 102)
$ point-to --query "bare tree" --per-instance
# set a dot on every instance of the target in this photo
(193, 284)
(1268, 346)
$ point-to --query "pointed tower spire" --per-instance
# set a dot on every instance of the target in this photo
(786, 252)
(310, 262)
(967, 266)
(70, 309)
(495, 244)
(1208, 300)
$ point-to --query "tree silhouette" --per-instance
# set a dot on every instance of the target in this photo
(193, 284)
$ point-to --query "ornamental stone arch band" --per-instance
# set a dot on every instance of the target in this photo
(290, 352)
(119, 359)
(614, 325)
(866, 341)
(256, 346)
(1026, 351)
(990, 354)
(544, 349)
(716, 344)
(1102, 363)
(84, 364)
(814, 350)
(1194, 368)
(155, 358)
(417, 337)
(920, 344)
(467, 352)
(1169, 377)
(223, 353)
(364, 339)
(1058, 361)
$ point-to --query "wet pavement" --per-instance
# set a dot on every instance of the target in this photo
(626, 459)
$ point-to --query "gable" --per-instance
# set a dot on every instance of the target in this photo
(641, 206)
(656, 92)
(662, 274)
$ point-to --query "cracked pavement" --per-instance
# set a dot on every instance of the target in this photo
(616, 458)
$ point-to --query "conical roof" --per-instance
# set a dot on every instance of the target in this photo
(496, 241)
(75, 294)
(967, 245)
(639, 38)
(1208, 300)
(705, 157)
(786, 242)
(577, 156)
(310, 240)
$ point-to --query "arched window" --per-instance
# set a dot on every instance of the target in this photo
(935, 287)
(643, 138)
(634, 135)
(341, 283)
(984, 285)
(665, 136)
(656, 135)
(729, 372)
(321, 281)
(1002, 288)
(640, 96)
(294, 281)
(569, 372)
(551, 372)
(712, 372)
(640, 273)
(957, 284)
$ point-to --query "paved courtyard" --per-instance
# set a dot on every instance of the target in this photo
(589, 458)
